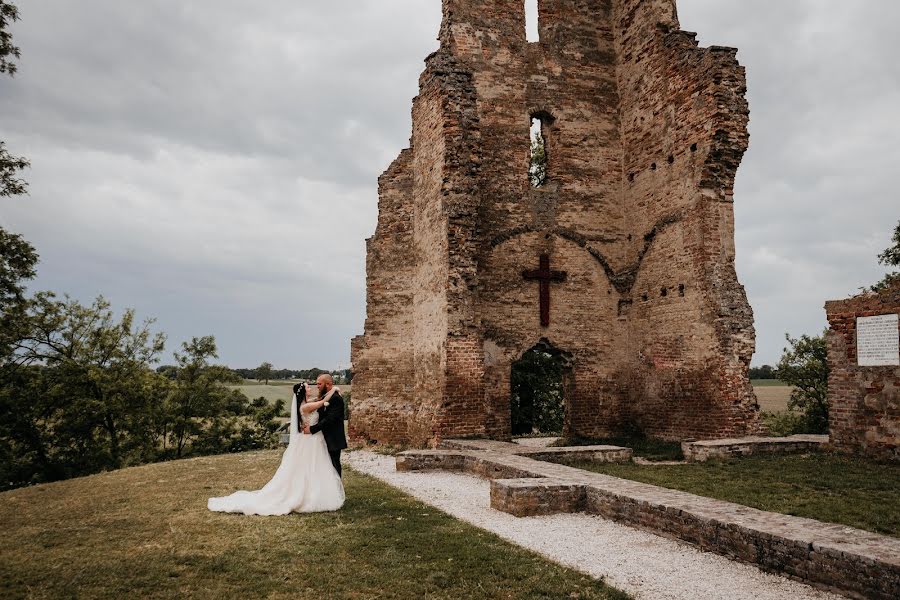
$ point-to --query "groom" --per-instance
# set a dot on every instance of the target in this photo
(331, 421)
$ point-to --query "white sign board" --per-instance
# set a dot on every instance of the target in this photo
(877, 341)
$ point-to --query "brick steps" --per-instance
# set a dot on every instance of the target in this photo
(849, 561)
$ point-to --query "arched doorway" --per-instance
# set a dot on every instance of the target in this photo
(538, 390)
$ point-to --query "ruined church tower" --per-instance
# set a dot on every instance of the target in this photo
(622, 261)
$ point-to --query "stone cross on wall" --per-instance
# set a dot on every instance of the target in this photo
(544, 275)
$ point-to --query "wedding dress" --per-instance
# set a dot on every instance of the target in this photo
(304, 482)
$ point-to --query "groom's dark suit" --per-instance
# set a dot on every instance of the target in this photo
(331, 424)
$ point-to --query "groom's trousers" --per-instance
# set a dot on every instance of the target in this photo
(336, 460)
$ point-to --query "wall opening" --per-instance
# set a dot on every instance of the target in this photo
(538, 390)
(537, 168)
(532, 33)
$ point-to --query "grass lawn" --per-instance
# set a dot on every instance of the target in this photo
(831, 488)
(145, 532)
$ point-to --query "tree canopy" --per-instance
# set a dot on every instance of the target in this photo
(10, 166)
(890, 258)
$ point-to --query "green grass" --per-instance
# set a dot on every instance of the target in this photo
(836, 489)
(649, 448)
(146, 532)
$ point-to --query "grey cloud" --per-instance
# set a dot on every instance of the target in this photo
(214, 163)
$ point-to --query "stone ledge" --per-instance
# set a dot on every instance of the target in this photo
(533, 497)
(852, 562)
(717, 449)
(611, 454)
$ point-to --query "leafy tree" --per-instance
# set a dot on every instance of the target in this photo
(259, 429)
(17, 257)
(763, 372)
(804, 366)
(200, 406)
(10, 184)
(76, 392)
(537, 170)
(264, 372)
(168, 371)
(537, 394)
(8, 14)
(17, 262)
(890, 258)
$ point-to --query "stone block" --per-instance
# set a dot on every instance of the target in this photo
(537, 496)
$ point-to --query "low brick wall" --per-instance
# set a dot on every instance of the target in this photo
(720, 449)
(855, 563)
(776, 543)
(535, 497)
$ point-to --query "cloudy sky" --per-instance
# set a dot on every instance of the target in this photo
(213, 163)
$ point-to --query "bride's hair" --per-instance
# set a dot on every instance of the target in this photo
(300, 390)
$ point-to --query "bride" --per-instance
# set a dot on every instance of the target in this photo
(306, 480)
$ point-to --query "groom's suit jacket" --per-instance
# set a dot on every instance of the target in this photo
(331, 423)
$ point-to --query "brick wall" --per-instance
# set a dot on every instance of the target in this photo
(644, 133)
(863, 402)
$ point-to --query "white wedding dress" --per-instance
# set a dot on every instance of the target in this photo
(304, 482)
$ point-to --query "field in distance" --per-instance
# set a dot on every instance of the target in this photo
(773, 395)
(276, 390)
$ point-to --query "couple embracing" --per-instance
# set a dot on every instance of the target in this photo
(309, 477)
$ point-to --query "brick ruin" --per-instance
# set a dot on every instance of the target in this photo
(863, 401)
(644, 133)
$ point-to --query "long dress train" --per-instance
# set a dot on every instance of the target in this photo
(304, 482)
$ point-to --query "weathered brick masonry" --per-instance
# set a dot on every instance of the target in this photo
(644, 133)
(863, 402)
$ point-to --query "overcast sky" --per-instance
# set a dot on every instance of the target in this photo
(213, 163)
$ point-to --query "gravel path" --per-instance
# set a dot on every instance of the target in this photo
(642, 564)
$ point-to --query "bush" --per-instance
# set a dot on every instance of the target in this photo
(784, 423)
(804, 365)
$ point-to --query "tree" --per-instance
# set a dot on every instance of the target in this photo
(17, 263)
(264, 372)
(77, 393)
(537, 393)
(890, 258)
(804, 365)
(763, 372)
(17, 257)
(200, 403)
(10, 184)
(8, 14)
(537, 171)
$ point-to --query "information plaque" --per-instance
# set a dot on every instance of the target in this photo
(877, 341)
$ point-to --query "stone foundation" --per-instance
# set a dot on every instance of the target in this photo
(848, 561)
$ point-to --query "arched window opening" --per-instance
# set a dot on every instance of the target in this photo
(537, 169)
(532, 33)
